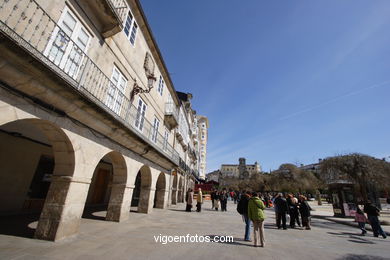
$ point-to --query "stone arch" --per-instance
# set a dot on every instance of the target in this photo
(29, 135)
(174, 189)
(141, 192)
(159, 196)
(108, 187)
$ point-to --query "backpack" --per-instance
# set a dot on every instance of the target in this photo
(240, 206)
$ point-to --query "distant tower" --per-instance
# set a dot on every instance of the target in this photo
(242, 168)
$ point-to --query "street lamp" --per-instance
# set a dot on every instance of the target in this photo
(138, 90)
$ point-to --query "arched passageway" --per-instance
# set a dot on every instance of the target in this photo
(141, 193)
(34, 153)
(107, 188)
(159, 195)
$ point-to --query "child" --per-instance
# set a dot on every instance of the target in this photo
(361, 220)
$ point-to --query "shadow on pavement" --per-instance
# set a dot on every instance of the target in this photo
(95, 212)
(361, 257)
(18, 225)
(355, 238)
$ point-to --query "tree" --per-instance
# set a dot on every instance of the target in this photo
(360, 169)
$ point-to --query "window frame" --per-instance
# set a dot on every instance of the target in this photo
(139, 121)
(130, 31)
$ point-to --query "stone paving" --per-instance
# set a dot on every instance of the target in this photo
(134, 239)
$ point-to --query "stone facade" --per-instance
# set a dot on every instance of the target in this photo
(203, 125)
(87, 104)
(241, 170)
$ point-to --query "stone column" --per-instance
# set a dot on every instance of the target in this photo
(174, 196)
(166, 201)
(146, 198)
(64, 205)
(119, 204)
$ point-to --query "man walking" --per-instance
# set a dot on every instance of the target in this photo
(372, 215)
(199, 200)
(242, 208)
(281, 209)
(256, 214)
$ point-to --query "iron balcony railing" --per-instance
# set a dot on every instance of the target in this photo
(32, 29)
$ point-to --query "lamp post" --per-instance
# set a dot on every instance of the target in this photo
(138, 90)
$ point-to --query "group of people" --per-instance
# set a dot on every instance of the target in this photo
(219, 197)
(251, 206)
(190, 200)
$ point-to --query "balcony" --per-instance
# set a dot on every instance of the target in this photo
(171, 116)
(31, 29)
(108, 15)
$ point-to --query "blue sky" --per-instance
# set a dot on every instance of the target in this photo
(281, 81)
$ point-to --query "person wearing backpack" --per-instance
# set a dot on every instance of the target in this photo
(256, 214)
(242, 208)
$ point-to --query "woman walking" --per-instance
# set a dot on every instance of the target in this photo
(304, 209)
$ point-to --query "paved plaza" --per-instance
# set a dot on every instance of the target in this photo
(134, 239)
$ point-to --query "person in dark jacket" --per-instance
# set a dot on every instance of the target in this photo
(372, 215)
(281, 209)
(242, 208)
(223, 198)
(304, 209)
(293, 210)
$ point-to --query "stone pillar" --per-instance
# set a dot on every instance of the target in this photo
(166, 201)
(146, 198)
(64, 205)
(174, 196)
(119, 204)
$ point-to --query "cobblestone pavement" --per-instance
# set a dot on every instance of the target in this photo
(134, 239)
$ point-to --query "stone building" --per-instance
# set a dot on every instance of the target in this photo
(88, 114)
(203, 125)
(241, 170)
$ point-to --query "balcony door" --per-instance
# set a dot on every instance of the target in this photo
(116, 91)
(68, 44)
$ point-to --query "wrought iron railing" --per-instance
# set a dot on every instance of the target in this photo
(32, 29)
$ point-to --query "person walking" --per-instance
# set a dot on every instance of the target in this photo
(242, 208)
(361, 220)
(372, 214)
(281, 209)
(223, 198)
(189, 199)
(256, 215)
(216, 200)
(304, 209)
(212, 196)
(199, 200)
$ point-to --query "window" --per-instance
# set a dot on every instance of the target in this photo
(156, 124)
(68, 44)
(166, 136)
(139, 120)
(130, 28)
(160, 86)
(116, 91)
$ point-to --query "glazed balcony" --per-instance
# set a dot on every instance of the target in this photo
(29, 29)
(171, 115)
(108, 15)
